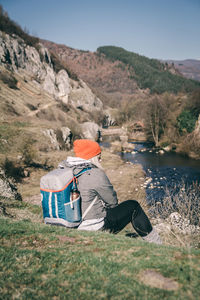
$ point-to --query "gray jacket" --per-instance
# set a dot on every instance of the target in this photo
(92, 183)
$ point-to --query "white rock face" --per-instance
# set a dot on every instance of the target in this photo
(63, 84)
(18, 57)
(51, 135)
(66, 135)
(82, 97)
(57, 144)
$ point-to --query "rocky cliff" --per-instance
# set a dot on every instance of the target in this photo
(37, 90)
(37, 65)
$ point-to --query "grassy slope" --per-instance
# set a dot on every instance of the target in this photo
(44, 262)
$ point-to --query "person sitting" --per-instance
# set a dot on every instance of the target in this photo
(97, 194)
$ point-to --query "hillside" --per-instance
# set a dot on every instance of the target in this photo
(41, 100)
(150, 73)
(115, 70)
(95, 69)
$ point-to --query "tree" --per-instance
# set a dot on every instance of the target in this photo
(155, 119)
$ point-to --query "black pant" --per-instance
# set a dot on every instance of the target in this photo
(128, 211)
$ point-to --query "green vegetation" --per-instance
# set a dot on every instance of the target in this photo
(187, 118)
(186, 121)
(44, 262)
(149, 73)
(12, 136)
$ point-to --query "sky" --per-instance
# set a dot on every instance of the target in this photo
(161, 29)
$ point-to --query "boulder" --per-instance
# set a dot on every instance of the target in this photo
(91, 130)
(109, 117)
(127, 147)
(175, 223)
(182, 224)
(116, 146)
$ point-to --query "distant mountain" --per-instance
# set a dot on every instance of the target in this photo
(190, 68)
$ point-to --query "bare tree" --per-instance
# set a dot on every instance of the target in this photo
(155, 119)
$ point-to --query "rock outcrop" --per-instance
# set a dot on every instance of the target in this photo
(59, 139)
(38, 66)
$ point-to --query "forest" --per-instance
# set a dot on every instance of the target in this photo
(149, 73)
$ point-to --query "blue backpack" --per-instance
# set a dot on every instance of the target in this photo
(58, 207)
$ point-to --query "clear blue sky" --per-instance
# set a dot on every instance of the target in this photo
(162, 29)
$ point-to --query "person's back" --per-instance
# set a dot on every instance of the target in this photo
(99, 199)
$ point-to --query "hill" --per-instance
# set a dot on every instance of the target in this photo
(150, 73)
(115, 70)
(111, 81)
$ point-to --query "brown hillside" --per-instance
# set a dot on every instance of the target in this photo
(109, 79)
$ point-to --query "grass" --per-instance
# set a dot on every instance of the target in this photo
(45, 262)
(48, 262)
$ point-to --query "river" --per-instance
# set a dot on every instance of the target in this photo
(168, 172)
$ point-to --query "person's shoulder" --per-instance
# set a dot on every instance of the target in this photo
(99, 173)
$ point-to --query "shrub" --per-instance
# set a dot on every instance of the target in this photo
(12, 170)
(186, 121)
(10, 80)
(28, 151)
(10, 27)
(185, 202)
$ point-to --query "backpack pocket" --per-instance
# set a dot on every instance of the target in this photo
(73, 210)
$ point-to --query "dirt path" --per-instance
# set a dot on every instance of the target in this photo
(33, 113)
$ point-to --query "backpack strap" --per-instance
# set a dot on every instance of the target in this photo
(89, 207)
(93, 201)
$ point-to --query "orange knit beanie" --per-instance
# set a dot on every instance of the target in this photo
(86, 149)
